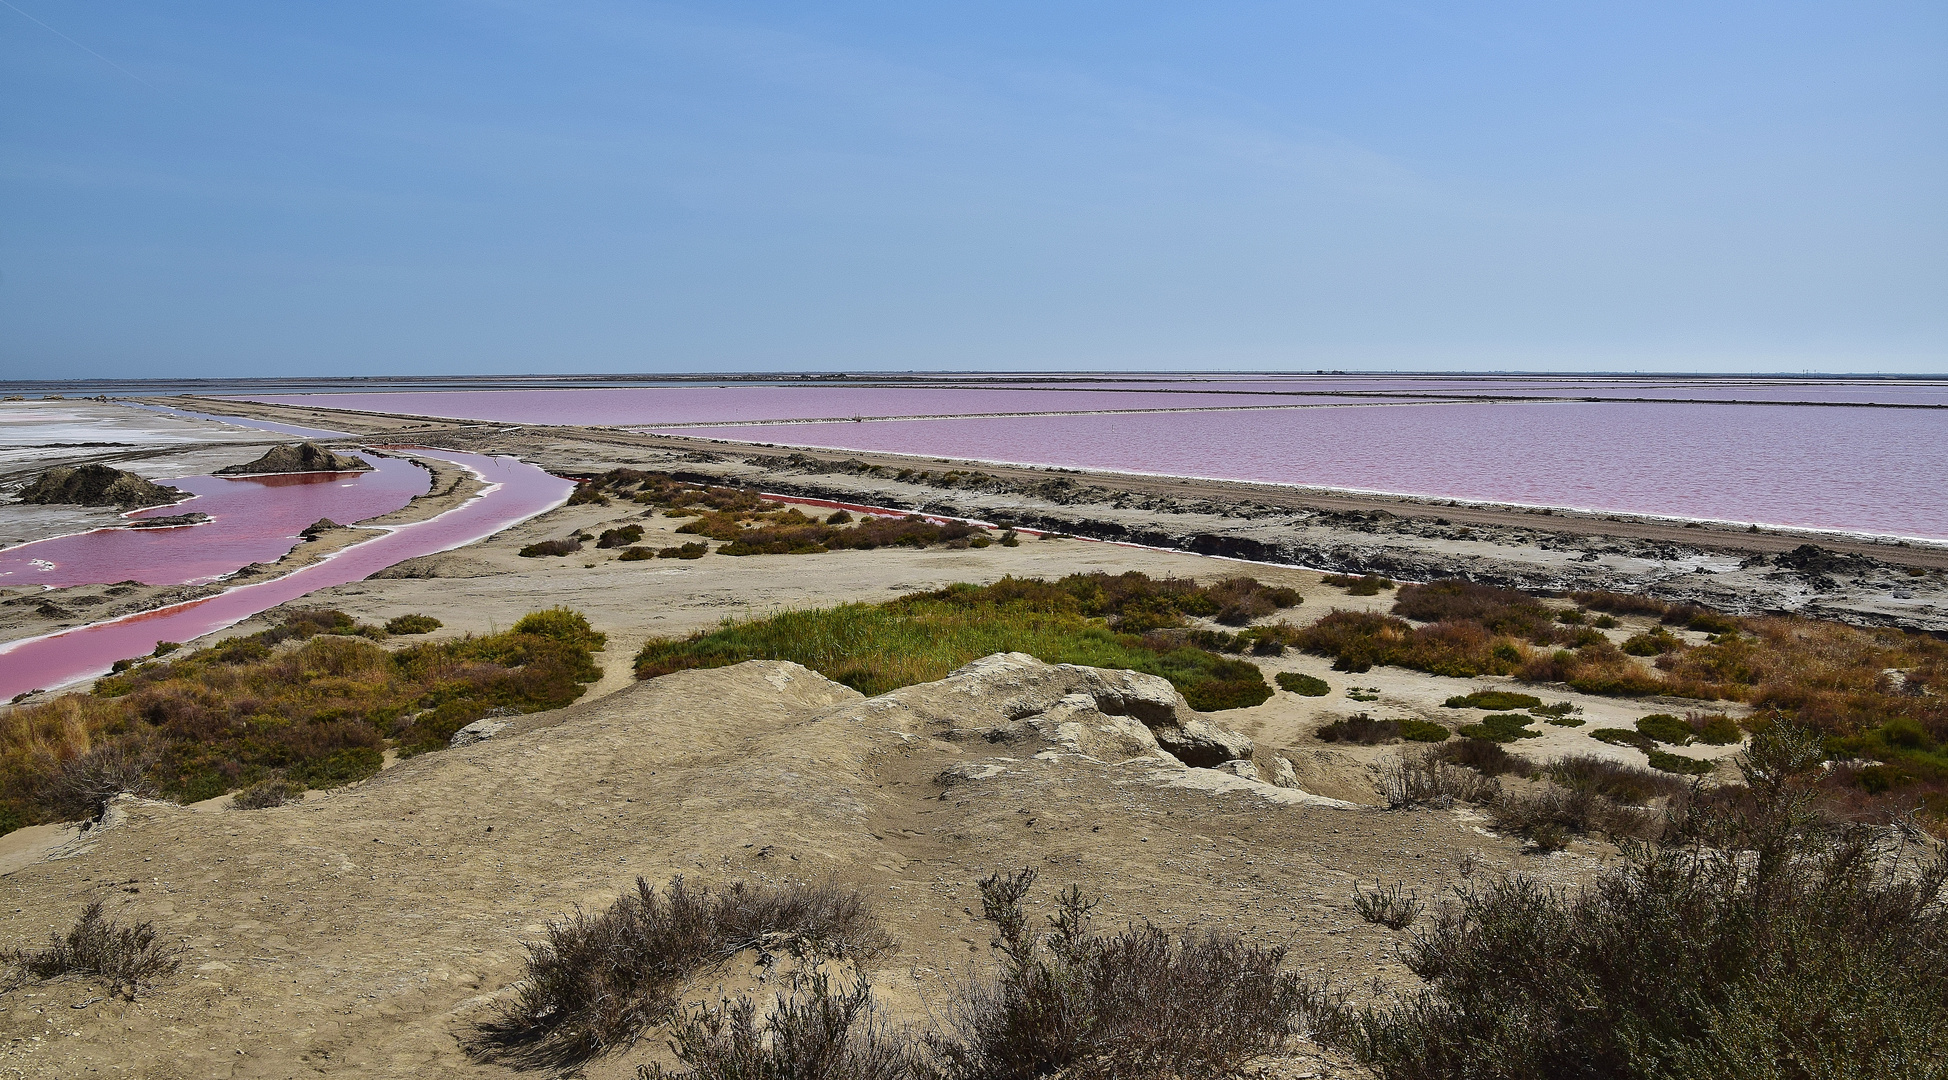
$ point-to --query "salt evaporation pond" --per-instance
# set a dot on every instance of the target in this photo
(252, 519)
(1866, 470)
(516, 492)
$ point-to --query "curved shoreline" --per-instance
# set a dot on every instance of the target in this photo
(63, 657)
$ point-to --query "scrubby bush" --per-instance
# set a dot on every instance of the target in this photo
(1677, 763)
(620, 537)
(814, 1032)
(413, 624)
(1303, 685)
(1665, 728)
(1134, 1003)
(1498, 700)
(1714, 729)
(1786, 946)
(597, 982)
(1548, 816)
(1394, 907)
(1653, 642)
(1359, 728)
(1359, 584)
(635, 554)
(1423, 731)
(1426, 778)
(1624, 737)
(684, 551)
(265, 794)
(1483, 756)
(1613, 780)
(128, 956)
(544, 548)
(1501, 727)
(310, 699)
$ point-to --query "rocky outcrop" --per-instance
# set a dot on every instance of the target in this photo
(98, 485)
(304, 457)
(1095, 712)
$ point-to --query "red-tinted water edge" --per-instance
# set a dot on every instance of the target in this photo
(516, 491)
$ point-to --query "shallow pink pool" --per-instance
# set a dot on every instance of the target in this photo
(252, 519)
(1857, 469)
(518, 491)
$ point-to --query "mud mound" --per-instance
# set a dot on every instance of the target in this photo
(298, 458)
(98, 485)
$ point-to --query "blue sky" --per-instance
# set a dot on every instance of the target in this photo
(198, 188)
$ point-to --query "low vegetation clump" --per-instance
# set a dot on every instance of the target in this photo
(1360, 728)
(619, 537)
(816, 1031)
(1394, 907)
(1762, 939)
(1359, 584)
(1664, 761)
(1483, 756)
(1501, 728)
(1136, 1002)
(1431, 778)
(413, 624)
(1081, 619)
(265, 794)
(790, 532)
(1626, 784)
(314, 701)
(1665, 728)
(599, 981)
(545, 548)
(1414, 730)
(1303, 685)
(130, 957)
(1873, 693)
(1497, 700)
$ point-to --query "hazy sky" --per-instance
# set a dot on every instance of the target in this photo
(207, 188)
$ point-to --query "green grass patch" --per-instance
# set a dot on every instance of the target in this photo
(1624, 737)
(1302, 685)
(875, 648)
(1423, 731)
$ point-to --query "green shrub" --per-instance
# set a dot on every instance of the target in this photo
(1624, 737)
(1605, 622)
(1359, 728)
(1423, 731)
(1500, 700)
(413, 624)
(685, 551)
(1501, 727)
(1714, 729)
(164, 648)
(1359, 584)
(1665, 728)
(1394, 907)
(635, 554)
(622, 537)
(1677, 763)
(1483, 756)
(1303, 685)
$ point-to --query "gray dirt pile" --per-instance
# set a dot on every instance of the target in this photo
(304, 457)
(362, 932)
(97, 485)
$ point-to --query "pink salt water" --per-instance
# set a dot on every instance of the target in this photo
(252, 519)
(518, 491)
(1852, 469)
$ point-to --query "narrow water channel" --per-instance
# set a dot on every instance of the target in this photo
(516, 492)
